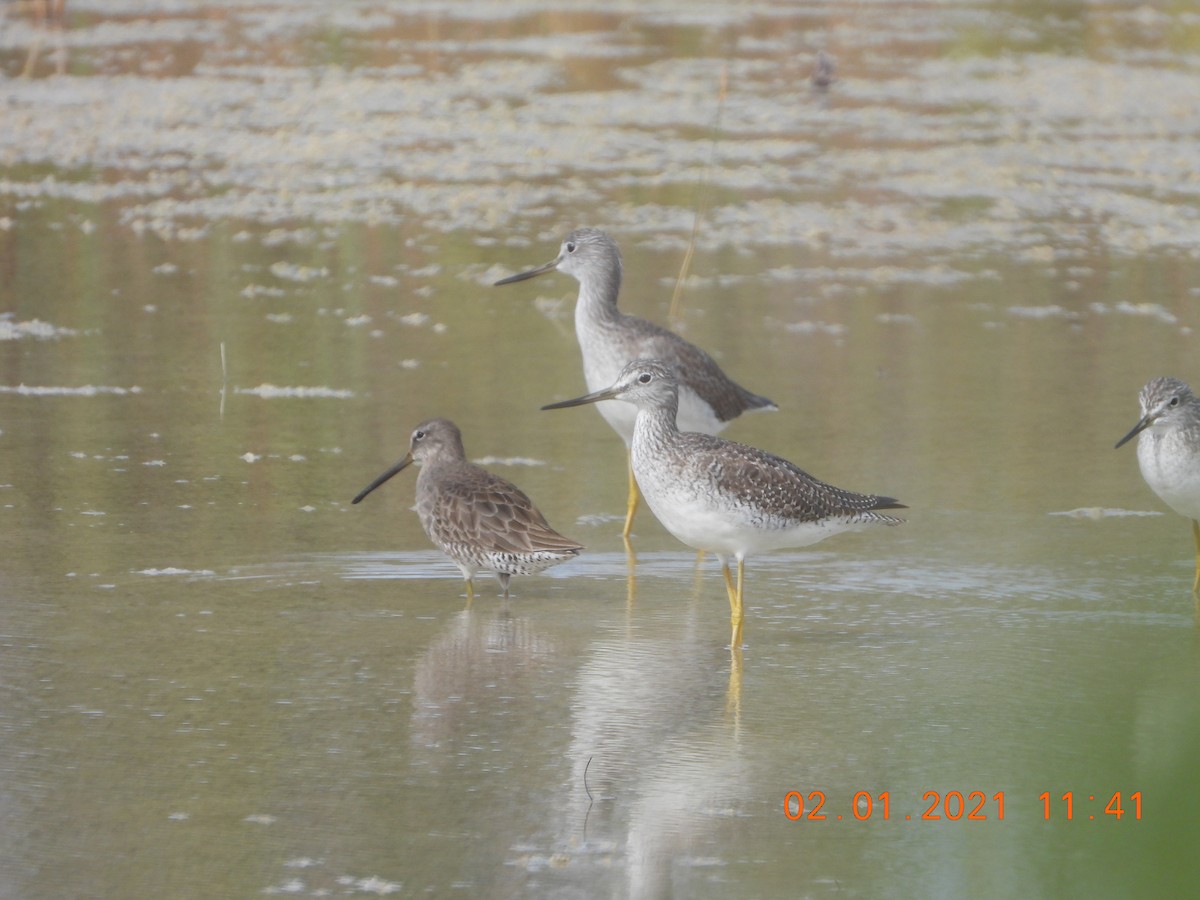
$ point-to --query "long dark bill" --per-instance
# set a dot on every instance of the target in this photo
(403, 464)
(532, 273)
(595, 397)
(1137, 429)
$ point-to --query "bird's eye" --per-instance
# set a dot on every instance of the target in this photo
(570, 246)
(418, 435)
(645, 378)
(1174, 401)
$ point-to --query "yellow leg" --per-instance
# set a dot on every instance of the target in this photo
(470, 591)
(739, 616)
(635, 497)
(1196, 537)
(733, 694)
(736, 613)
(631, 582)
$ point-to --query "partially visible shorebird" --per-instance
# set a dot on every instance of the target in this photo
(479, 520)
(609, 340)
(1168, 450)
(727, 498)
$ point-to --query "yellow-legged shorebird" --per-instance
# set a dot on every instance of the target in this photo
(1168, 450)
(609, 340)
(726, 498)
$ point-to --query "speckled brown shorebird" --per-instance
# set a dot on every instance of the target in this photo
(723, 497)
(480, 520)
(1168, 450)
(609, 340)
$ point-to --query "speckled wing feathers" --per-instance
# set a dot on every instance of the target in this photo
(754, 478)
(473, 507)
(696, 369)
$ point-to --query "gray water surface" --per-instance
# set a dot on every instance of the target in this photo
(245, 248)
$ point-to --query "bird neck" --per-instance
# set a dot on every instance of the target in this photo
(597, 303)
(656, 425)
(449, 456)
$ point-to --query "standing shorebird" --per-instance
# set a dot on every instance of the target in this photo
(708, 398)
(727, 498)
(479, 520)
(1168, 450)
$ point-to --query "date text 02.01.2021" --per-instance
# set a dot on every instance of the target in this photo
(974, 806)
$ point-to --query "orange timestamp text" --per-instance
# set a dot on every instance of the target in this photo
(954, 806)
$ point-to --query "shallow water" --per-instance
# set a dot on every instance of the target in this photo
(245, 248)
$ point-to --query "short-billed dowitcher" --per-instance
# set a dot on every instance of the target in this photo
(479, 520)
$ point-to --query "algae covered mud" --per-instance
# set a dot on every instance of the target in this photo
(246, 247)
(964, 129)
